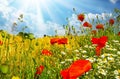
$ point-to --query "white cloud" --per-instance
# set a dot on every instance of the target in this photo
(11, 14)
(39, 29)
(113, 1)
(103, 16)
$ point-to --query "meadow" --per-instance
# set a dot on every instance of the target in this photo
(54, 57)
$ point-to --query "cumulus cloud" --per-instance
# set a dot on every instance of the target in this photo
(102, 16)
(9, 15)
(113, 1)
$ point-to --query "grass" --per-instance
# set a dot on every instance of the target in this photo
(22, 56)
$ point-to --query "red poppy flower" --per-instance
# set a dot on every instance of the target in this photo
(111, 21)
(118, 33)
(100, 43)
(46, 52)
(93, 31)
(39, 70)
(86, 24)
(76, 69)
(54, 40)
(99, 26)
(65, 73)
(62, 41)
(81, 17)
(1, 43)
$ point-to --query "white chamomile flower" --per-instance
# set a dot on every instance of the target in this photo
(91, 47)
(117, 77)
(62, 52)
(62, 62)
(76, 50)
(84, 51)
(102, 71)
(118, 52)
(110, 58)
(86, 46)
(91, 59)
(116, 72)
(115, 41)
(69, 60)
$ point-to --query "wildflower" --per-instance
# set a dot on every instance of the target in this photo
(118, 52)
(63, 53)
(99, 26)
(104, 60)
(76, 50)
(100, 43)
(111, 21)
(62, 41)
(69, 60)
(46, 52)
(1, 43)
(116, 72)
(91, 47)
(15, 77)
(114, 49)
(103, 56)
(81, 17)
(91, 59)
(63, 62)
(102, 71)
(115, 41)
(58, 40)
(93, 31)
(86, 24)
(118, 33)
(76, 69)
(117, 77)
(84, 51)
(15, 24)
(54, 40)
(39, 70)
(110, 58)
(86, 46)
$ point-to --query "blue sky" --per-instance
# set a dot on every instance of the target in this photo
(46, 16)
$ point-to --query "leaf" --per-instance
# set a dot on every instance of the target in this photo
(34, 61)
(4, 69)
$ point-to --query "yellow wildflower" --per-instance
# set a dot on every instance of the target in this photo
(15, 77)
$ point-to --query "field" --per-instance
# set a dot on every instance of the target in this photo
(46, 57)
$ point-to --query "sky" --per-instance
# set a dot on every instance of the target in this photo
(45, 16)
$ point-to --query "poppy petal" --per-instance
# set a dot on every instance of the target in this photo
(81, 17)
(46, 52)
(78, 68)
(111, 21)
(65, 74)
(54, 40)
(62, 41)
(102, 41)
(95, 40)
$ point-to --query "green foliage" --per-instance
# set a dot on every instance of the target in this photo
(26, 35)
